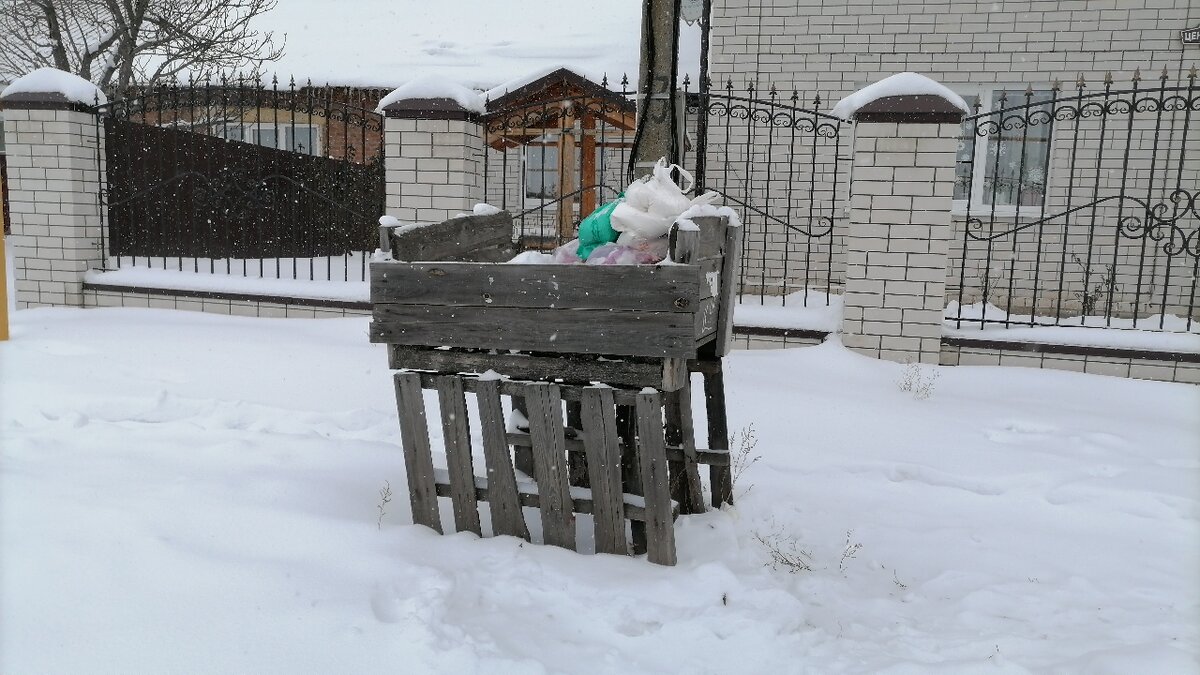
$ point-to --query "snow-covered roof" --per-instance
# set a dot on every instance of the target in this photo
(435, 86)
(73, 88)
(900, 84)
(528, 78)
(477, 43)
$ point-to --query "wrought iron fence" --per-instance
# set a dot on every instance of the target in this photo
(780, 165)
(244, 178)
(1080, 207)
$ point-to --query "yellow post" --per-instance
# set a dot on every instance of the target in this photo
(3, 282)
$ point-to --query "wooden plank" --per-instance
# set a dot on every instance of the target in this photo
(418, 461)
(707, 318)
(566, 181)
(720, 477)
(453, 238)
(604, 469)
(456, 434)
(660, 526)
(685, 474)
(581, 499)
(674, 373)
(550, 463)
(729, 275)
(566, 368)
(587, 170)
(516, 389)
(712, 235)
(675, 453)
(653, 288)
(503, 499)
(580, 331)
(683, 244)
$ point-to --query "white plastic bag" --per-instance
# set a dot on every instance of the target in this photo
(652, 203)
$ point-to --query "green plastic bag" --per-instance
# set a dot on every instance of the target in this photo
(596, 229)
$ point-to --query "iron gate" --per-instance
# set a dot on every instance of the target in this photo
(241, 178)
(780, 166)
(1080, 207)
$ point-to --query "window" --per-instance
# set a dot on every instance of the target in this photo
(301, 138)
(1008, 168)
(541, 171)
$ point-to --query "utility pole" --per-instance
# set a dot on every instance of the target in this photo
(657, 123)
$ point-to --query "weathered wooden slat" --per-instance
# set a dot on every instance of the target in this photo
(712, 235)
(729, 274)
(720, 477)
(418, 461)
(503, 499)
(709, 456)
(660, 526)
(685, 474)
(683, 244)
(550, 463)
(599, 417)
(707, 319)
(456, 238)
(586, 331)
(517, 388)
(456, 434)
(674, 373)
(567, 368)
(581, 499)
(652, 288)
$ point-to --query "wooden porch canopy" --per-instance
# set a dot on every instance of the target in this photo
(580, 113)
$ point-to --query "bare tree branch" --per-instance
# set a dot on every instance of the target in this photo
(112, 42)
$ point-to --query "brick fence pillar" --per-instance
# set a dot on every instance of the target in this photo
(54, 155)
(433, 159)
(898, 235)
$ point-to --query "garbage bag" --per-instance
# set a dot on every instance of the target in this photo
(597, 229)
(652, 203)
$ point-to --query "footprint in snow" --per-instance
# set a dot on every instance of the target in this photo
(1020, 432)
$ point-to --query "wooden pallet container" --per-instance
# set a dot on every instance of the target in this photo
(623, 451)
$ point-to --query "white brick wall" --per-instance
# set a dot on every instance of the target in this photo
(434, 168)
(834, 47)
(897, 239)
(53, 187)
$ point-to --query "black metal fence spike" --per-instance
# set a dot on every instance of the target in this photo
(1108, 79)
(1192, 73)
(1056, 85)
(795, 97)
(1080, 82)
(729, 85)
(1137, 75)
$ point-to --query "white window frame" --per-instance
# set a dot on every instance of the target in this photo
(250, 134)
(550, 141)
(986, 94)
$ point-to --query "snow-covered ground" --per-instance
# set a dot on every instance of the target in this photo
(190, 493)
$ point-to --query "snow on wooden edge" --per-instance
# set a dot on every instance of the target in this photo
(55, 81)
(900, 84)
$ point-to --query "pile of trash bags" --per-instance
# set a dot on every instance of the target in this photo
(633, 229)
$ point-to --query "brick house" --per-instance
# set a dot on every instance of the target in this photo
(995, 55)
